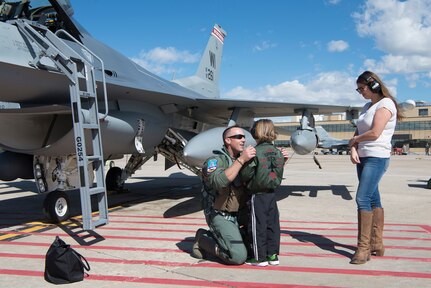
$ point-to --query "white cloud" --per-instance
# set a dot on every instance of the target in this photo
(337, 46)
(399, 64)
(265, 45)
(161, 60)
(401, 29)
(412, 79)
(332, 2)
(333, 88)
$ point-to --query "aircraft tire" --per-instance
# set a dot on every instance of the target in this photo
(429, 184)
(56, 206)
(113, 179)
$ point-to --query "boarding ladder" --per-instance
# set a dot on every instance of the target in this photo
(83, 99)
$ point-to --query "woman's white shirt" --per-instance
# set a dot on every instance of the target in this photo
(381, 147)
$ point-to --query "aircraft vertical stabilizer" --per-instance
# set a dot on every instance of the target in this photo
(206, 79)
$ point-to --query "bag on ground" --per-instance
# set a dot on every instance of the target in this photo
(63, 264)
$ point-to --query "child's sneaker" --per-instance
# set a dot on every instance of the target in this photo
(254, 262)
(273, 259)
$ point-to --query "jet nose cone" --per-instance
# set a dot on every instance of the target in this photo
(303, 141)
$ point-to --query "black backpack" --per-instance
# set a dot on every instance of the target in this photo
(63, 264)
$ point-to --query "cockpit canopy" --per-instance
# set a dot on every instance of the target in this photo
(54, 14)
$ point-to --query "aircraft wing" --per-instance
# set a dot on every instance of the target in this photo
(222, 108)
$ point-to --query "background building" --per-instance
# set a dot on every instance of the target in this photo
(414, 131)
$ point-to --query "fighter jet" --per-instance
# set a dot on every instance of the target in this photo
(54, 76)
(325, 141)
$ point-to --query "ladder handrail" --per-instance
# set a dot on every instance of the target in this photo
(105, 93)
(71, 63)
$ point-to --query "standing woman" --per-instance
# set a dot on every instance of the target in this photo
(370, 151)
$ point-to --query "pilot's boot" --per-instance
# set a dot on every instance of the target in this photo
(196, 250)
(363, 253)
(208, 246)
(377, 247)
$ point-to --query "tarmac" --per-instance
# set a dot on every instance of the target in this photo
(151, 231)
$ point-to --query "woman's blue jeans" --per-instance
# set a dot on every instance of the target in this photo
(370, 171)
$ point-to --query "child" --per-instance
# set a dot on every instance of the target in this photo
(262, 175)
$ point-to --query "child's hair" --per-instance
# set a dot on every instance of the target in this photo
(263, 130)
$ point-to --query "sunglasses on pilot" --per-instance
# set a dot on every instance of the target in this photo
(237, 136)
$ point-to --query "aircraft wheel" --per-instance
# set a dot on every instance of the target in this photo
(113, 179)
(429, 184)
(56, 206)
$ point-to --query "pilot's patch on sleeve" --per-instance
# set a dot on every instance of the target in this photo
(211, 165)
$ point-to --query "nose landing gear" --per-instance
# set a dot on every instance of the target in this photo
(56, 206)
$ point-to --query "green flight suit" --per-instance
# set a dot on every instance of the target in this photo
(222, 200)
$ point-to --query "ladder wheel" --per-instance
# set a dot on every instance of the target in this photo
(113, 179)
(56, 206)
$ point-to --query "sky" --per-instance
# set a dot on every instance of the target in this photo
(307, 51)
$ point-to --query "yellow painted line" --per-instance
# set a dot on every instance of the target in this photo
(7, 236)
(37, 225)
(30, 229)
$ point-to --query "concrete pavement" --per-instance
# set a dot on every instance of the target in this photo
(151, 231)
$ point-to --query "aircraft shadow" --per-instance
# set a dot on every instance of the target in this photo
(418, 185)
(313, 191)
(29, 208)
(177, 186)
(194, 204)
(22, 185)
(321, 242)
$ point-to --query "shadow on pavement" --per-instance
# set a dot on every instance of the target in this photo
(321, 242)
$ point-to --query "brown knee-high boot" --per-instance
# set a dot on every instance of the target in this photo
(377, 232)
(365, 221)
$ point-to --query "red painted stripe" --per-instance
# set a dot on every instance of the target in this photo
(281, 268)
(96, 247)
(422, 227)
(334, 255)
(21, 272)
(297, 229)
(354, 247)
(141, 238)
(426, 228)
(282, 221)
(217, 33)
(305, 235)
(200, 224)
(162, 281)
(302, 229)
(299, 233)
(164, 263)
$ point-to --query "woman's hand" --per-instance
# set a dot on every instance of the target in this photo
(354, 157)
